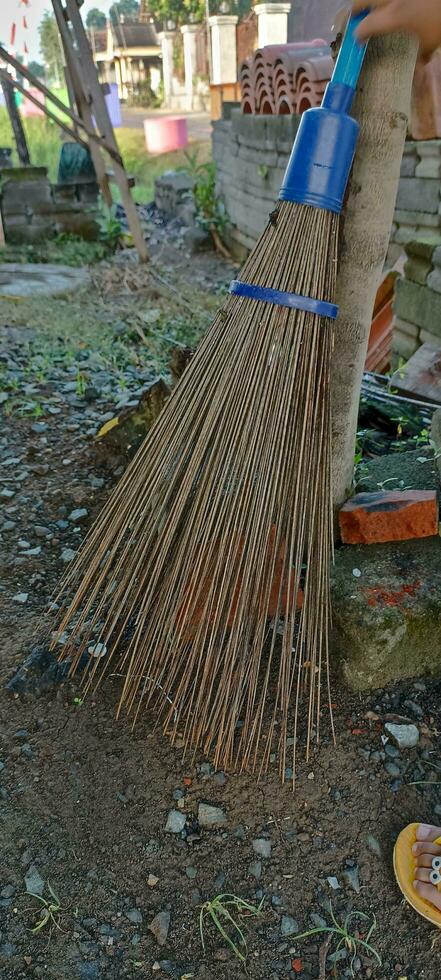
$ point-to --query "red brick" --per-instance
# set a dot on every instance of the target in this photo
(389, 515)
(192, 619)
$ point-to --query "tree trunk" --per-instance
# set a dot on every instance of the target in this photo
(382, 107)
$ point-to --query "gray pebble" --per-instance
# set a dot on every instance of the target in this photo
(33, 881)
(191, 872)
(262, 847)
(160, 926)
(78, 515)
(288, 926)
(135, 916)
(392, 769)
(211, 816)
(175, 822)
(67, 554)
(255, 869)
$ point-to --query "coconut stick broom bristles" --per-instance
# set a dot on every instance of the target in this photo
(222, 523)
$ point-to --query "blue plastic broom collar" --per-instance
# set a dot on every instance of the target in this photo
(293, 300)
(323, 152)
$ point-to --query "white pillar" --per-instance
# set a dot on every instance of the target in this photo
(166, 38)
(272, 23)
(223, 48)
(189, 32)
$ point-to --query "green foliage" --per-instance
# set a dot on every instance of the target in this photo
(178, 57)
(219, 911)
(348, 936)
(49, 913)
(37, 69)
(144, 96)
(210, 211)
(96, 19)
(51, 48)
(123, 8)
(111, 230)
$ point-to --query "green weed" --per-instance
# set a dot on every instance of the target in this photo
(343, 936)
(219, 912)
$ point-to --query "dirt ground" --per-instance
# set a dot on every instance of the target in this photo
(84, 801)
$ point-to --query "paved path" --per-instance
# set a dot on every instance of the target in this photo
(199, 123)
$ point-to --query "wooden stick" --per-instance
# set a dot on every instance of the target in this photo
(20, 88)
(16, 123)
(83, 107)
(103, 122)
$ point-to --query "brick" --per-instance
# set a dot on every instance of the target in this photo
(430, 159)
(373, 518)
(425, 246)
(403, 326)
(191, 614)
(409, 161)
(418, 194)
(418, 304)
(419, 219)
(434, 280)
(403, 346)
(417, 269)
(429, 338)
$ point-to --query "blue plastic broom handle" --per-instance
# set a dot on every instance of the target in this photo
(350, 59)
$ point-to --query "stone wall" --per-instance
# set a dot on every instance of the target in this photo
(418, 206)
(251, 153)
(417, 306)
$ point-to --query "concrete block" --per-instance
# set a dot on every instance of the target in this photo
(403, 326)
(430, 338)
(403, 347)
(387, 621)
(430, 159)
(425, 245)
(417, 269)
(405, 234)
(418, 194)
(434, 280)
(389, 515)
(419, 219)
(418, 304)
(409, 161)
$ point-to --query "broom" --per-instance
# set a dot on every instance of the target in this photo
(205, 581)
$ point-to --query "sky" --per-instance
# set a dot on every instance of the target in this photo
(12, 11)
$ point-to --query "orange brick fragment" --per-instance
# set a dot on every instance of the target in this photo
(389, 515)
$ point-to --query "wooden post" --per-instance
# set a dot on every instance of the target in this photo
(16, 123)
(83, 108)
(104, 125)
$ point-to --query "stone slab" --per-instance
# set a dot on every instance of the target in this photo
(387, 618)
(27, 281)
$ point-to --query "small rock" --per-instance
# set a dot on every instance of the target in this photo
(333, 883)
(152, 880)
(219, 881)
(20, 597)
(220, 778)
(191, 872)
(8, 891)
(255, 869)
(288, 926)
(78, 515)
(351, 877)
(374, 845)
(391, 751)
(175, 822)
(211, 816)
(414, 708)
(135, 916)
(404, 736)
(392, 769)
(160, 926)
(89, 971)
(67, 554)
(262, 847)
(33, 881)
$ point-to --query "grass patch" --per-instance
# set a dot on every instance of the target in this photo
(225, 912)
(345, 936)
(45, 140)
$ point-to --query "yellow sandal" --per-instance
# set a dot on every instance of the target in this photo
(404, 867)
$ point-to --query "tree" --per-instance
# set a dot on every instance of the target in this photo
(382, 108)
(123, 8)
(51, 48)
(37, 69)
(96, 19)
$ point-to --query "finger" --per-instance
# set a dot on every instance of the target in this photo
(424, 861)
(426, 847)
(359, 5)
(427, 831)
(429, 893)
(422, 874)
(383, 20)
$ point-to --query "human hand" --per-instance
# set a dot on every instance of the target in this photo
(419, 17)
